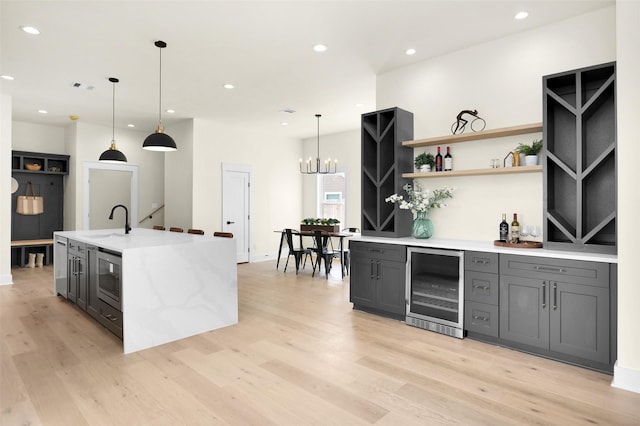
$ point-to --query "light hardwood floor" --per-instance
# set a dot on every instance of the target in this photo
(299, 355)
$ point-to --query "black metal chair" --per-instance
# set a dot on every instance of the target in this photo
(323, 248)
(346, 259)
(296, 252)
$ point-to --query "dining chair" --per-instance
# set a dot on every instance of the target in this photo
(324, 251)
(195, 231)
(296, 252)
(173, 229)
(223, 234)
(158, 227)
(346, 253)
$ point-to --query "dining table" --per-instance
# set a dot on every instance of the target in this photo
(340, 235)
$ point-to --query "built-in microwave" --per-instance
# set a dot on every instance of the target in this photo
(109, 278)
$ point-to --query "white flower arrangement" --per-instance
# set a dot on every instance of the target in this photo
(420, 199)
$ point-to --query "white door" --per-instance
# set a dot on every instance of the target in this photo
(236, 185)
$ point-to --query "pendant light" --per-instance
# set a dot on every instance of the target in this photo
(308, 168)
(112, 154)
(159, 140)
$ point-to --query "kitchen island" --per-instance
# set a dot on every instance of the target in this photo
(173, 285)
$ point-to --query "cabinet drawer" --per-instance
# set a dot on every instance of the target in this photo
(481, 318)
(571, 271)
(76, 248)
(481, 262)
(110, 317)
(392, 252)
(481, 287)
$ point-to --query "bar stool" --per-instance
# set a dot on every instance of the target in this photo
(172, 229)
(223, 234)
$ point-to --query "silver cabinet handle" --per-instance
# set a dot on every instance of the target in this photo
(555, 296)
(371, 272)
(549, 269)
(478, 317)
(480, 261)
(544, 294)
(482, 287)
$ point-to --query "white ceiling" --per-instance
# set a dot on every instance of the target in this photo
(263, 47)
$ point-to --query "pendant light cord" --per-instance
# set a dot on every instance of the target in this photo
(113, 113)
(318, 117)
(160, 91)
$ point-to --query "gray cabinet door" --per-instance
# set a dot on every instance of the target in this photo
(81, 299)
(72, 278)
(580, 321)
(92, 284)
(524, 313)
(362, 280)
(390, 286)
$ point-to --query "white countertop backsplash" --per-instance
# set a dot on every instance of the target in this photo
(488, 246)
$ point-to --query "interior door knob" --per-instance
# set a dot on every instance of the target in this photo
(229, 222)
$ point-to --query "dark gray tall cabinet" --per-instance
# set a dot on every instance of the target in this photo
(383, 161)
(580, 165)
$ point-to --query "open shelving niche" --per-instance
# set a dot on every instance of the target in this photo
(475, 136)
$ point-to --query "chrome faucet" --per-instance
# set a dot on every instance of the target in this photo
(127, 228)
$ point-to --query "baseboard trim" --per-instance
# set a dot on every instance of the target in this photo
(626, 378)
(6, 279)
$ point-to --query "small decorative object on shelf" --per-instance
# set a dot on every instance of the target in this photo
(420, 202)
(33, 167)
(477, 124)
(424, 162)
(530, 152)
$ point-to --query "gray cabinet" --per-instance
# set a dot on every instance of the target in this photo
(383, 161)
(77, 273)
(93, 303)
(580, 160)
(60, 275)
(559, 306)
(377, 280)
(481, 288)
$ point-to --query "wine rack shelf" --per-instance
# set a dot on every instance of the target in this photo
(474, 136)
(475, 172)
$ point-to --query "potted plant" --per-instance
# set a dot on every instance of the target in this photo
(424, 162)
(530, 152)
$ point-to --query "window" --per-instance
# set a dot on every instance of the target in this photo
(332, 197)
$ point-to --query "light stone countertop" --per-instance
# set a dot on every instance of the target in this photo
(488, 246)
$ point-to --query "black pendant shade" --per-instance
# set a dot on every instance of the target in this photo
(159, 140)
(112, 154)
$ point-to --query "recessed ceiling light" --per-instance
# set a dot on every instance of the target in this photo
(131, 125)
(30, 30)
(359, 105)
(7, 77)
(320, 48)
(521, 15)
(284, 123)
(229, 86)
(170, 111)
(410, 51)
(43, 111)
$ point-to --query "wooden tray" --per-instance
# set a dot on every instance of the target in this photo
(521, 244)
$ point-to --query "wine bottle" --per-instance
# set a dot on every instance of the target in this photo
(515, 229)
(504, 229)
(438, 161)
(448, 161)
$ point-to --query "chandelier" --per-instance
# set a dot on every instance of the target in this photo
(308, 167)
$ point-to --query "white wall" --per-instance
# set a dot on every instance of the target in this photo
(38, 137)
(502, 79)
(178, 177)
(627, 371)
(275, 187)
(344, 146)
(5, 190)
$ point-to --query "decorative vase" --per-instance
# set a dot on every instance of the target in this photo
(531, 160)
(424, 168)
(422, 226)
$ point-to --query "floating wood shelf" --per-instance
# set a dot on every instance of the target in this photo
(475, 172)
(473, 136)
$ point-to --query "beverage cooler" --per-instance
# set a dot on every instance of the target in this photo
(435, 290)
